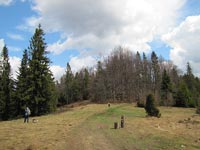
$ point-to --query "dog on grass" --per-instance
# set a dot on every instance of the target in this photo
(34, 120)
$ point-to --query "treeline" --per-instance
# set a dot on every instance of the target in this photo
(121, 77)
(127, 77)
(34, 86)
(72, 87)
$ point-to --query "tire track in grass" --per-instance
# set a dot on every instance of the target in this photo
(97, 132)
(91, 134)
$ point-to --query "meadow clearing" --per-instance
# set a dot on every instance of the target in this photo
(91, 127)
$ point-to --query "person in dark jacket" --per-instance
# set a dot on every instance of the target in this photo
(27, 112)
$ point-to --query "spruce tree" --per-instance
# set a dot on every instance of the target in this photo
(86, 85)
(6, 103)
(69, 85)
(76, 90)
(60, 88)
(22, 95)
(189, 79)
(165, 88)
(150, 107)
(41, 82)
(182, 96)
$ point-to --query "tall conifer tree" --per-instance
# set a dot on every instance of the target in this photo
(191, 85)
(22, 84)
(41, 87)
(69, 85)
(86, 85)
(6, 109)
(165, 88)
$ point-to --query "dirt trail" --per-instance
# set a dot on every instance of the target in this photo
(88, 140)
(90, 135)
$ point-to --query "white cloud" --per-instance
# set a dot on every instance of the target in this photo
(102, 25)
(78, 63)
(185, 40)
(30, 24)
(15, 36)
(98, 45)
(57, 71)
(1, 45)
(5, 2)
(15, 64)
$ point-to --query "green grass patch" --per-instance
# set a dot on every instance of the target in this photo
(115, 113)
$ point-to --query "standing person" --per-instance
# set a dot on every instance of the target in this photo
(27, 112)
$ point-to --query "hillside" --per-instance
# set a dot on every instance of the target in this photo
(90, 126)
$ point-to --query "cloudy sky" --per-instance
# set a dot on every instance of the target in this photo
(81, 31)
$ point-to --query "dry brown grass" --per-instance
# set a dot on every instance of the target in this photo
(91, 127)
(49, 132)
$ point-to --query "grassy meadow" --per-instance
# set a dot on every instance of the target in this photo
(91, 127)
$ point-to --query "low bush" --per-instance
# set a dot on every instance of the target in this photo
(150, 107)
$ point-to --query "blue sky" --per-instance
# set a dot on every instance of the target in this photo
(79, 31)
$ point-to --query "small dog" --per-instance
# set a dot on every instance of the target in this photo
(34, 120)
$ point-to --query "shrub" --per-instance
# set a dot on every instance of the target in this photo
(150, 107)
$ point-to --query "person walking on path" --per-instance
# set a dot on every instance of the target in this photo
(27, 112)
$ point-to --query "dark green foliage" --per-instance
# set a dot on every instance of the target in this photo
(41, 87)
(60, 88)
(72, 87)
(150, 107)
(166, 88)
(7, 103)
(76, 88)
(22, 95)
(182, 97)
(81, 85)
(192, 84)
(85, 86)
(69, 85)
